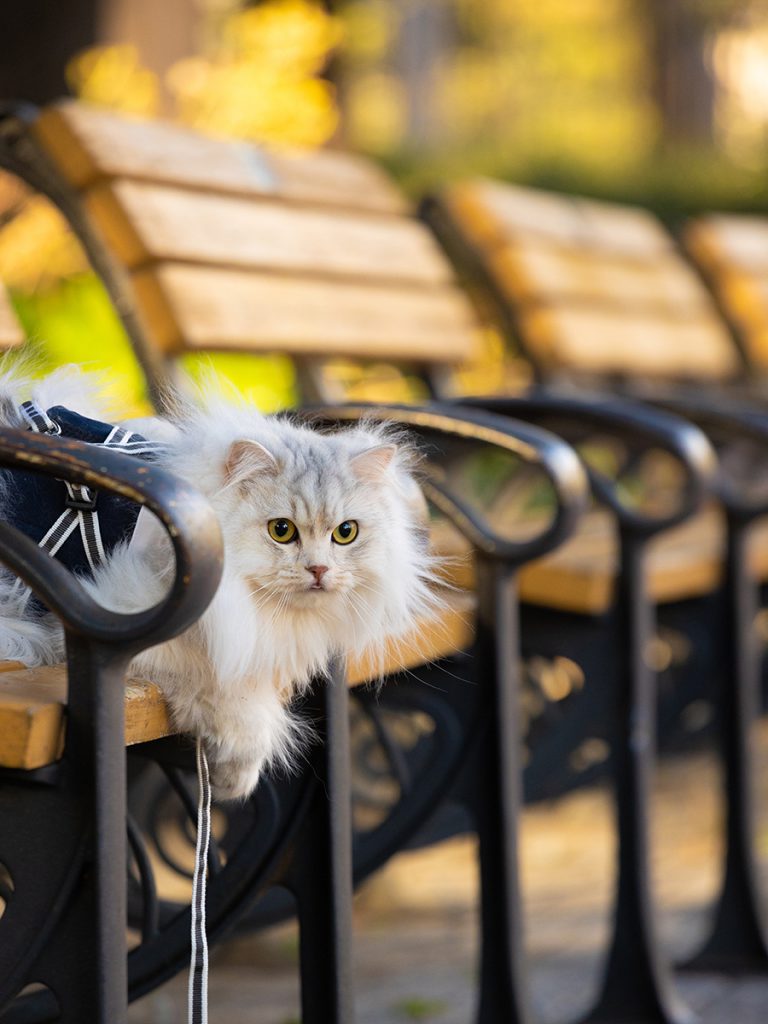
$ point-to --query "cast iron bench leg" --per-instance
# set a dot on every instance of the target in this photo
(738, 940)
(496, 798)
(637, 985)
(83, 961)
(96, 711)
(321, 874)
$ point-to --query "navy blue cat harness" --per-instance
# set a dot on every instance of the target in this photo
(76, 524)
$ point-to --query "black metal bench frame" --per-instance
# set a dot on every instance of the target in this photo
(491, 771)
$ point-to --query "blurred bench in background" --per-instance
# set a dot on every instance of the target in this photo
(598, 294)
(590, 291)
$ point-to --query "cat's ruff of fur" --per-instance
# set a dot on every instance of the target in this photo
(267, 633)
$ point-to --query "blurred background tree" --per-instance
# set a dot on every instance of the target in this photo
(662, 102)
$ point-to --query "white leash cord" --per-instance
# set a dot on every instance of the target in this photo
(198, 962)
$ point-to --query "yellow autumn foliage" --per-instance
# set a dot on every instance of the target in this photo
(37, 249)
(113, 76)
(262, 82)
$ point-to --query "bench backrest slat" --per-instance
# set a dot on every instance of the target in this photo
(208, 308)
(229, 247)
(591, 287)
(732, 253)
(499, 210)
(88, 144)
(147, 223)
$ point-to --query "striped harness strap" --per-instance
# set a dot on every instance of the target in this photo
(80, 503)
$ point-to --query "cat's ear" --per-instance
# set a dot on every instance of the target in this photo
(246, 459)
(372, 464)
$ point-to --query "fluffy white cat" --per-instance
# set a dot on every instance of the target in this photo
(325, 554)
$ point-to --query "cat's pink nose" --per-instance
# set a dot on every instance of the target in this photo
(318, 571)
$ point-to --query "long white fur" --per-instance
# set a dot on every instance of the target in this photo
(231, 677)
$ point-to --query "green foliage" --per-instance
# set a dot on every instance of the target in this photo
(561, 95)
(673, 186)
(74, 322)
(268, 382)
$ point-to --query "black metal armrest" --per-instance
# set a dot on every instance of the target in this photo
(185, 515)
(724, 422)
(631, 421)
(440, 422)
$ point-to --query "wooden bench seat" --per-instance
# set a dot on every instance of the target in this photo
(33, 701)
(580, 576)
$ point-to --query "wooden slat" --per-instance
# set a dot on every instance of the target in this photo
(731, 240)
(593, 287)
(608, 341)
(195, 308)
(11, 333)
(143, 222)
(536, 271)
(494, 212)
(32, 715)
(626, 230)
(337, 178)
(32, 701)
(744, 299)
(88, 144)
(730, 252)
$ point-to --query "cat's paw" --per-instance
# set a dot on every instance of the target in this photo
(235, 779)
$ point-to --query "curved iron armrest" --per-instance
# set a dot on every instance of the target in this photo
(634, 422)
(440, 421)
(185, 515)
(722, 419)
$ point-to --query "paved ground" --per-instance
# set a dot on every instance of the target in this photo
(415, 929)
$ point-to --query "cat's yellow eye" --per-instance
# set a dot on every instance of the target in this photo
(345, 532)
(282, 530)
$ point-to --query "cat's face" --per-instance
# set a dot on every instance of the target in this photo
(312, 541)
(319, 525)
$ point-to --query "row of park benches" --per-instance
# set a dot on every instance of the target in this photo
(208, 245)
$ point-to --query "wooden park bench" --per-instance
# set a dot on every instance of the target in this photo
(602, 293)
(313, 256)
